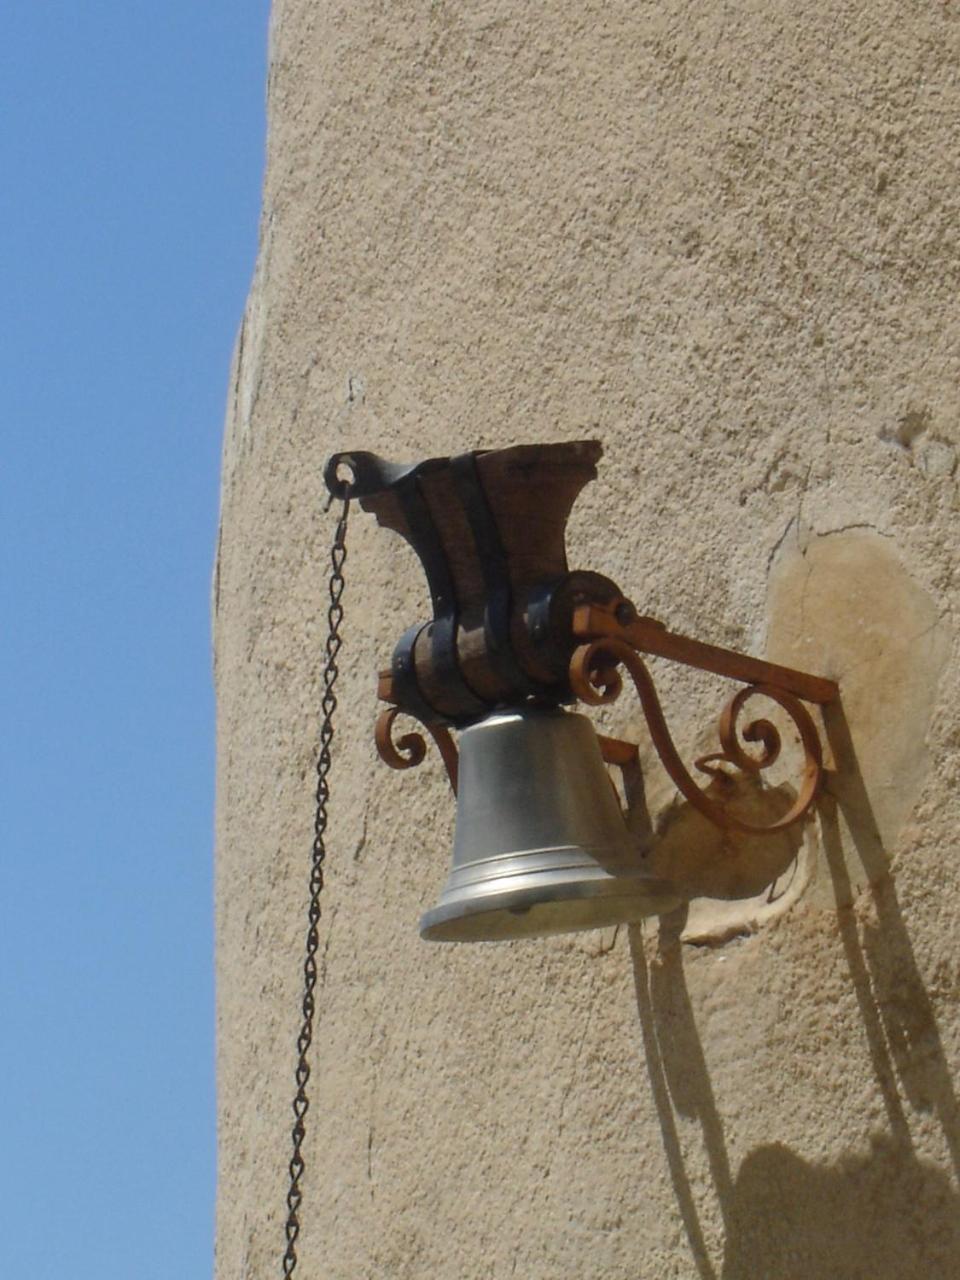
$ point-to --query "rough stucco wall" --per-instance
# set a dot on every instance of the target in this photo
(723, 239)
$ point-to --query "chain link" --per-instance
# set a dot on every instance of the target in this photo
(328, 705)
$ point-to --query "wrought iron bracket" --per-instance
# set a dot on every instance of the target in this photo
(614, 635)
(619, 620)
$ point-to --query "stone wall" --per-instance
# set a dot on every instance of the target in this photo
(722, 238)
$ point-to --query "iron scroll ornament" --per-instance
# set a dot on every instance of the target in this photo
(596, 680)
(410, 749)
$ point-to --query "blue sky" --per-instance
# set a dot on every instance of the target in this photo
(131, 153)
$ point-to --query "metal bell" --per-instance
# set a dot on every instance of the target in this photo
(541, 845)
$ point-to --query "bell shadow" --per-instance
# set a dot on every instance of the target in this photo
(883, 1215)
(883, 1212)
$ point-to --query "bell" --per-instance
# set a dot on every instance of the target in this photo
(541, 845)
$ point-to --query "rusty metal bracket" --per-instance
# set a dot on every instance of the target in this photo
(615, 635)
(619, 620)
(410, 749)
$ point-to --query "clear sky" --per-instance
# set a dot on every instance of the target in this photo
(131, 153)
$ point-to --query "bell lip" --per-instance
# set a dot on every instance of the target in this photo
(659, 896)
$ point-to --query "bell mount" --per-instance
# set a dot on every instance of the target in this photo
(514, 626)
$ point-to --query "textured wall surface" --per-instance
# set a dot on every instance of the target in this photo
(723, 238)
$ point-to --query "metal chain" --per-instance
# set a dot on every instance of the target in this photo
(328, 705)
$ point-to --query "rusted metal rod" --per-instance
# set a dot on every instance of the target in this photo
(591, 622)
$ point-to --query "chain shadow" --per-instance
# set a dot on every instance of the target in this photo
(885, 1213)
(679, 1079)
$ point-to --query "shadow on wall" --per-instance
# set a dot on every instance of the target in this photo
(880, 1215)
